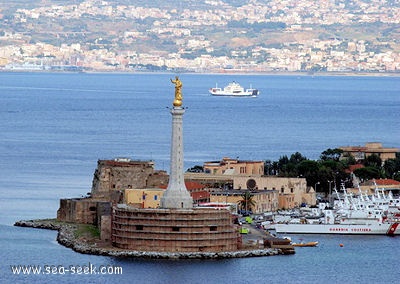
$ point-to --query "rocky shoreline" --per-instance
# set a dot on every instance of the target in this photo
(67, 237)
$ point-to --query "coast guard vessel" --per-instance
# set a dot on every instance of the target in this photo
(358, 222)
(350, 216)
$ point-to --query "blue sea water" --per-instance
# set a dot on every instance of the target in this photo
(54, 128)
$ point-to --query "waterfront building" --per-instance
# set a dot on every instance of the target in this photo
(360, 153)
(292, 191)
(386, 185)
(231, 166)
(264, 200)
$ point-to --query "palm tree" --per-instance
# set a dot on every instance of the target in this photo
(247, 201)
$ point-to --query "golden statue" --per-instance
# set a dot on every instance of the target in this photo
(178, 92)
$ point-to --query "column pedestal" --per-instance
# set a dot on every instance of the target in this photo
(176, 196)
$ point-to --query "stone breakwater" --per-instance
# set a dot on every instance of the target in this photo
(66, 237)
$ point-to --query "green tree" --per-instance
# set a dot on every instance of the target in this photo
(373, 161)
(282, 165)
(297, 158)
(347, 161)
(328, 171)
(247, 202)
(391, 168)
(268, 167)
(367, 173)
(196, 169)
(309, 169)
(331, 154)
(288, 167)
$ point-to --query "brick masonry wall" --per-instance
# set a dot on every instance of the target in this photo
(197, 230)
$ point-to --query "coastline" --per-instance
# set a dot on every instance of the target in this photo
(222, 72)
(68, 237)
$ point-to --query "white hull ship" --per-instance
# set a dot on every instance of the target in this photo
(233, 89)
(351, 216)
(389, 229)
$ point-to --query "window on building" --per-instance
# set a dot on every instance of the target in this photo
(282, 190)
(291, 189)
(175, 229)
(155, 197)
(139, 227)
(251, 184)
(213, 228)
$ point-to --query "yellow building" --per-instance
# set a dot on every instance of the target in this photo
(234, 167)
(264, 200)
(143, 198)
(3, 61)
(372, 148)
(292, 191)
(286, 201)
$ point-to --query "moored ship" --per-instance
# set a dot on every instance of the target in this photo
(352, 216)
(234, 89)
(367, 228)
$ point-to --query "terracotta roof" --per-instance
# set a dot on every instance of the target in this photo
(194, 185)
(387, 182)
(200, 195)
(352, 168)
(190, 185)
(127, 163)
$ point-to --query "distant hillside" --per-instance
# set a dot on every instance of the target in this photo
(246, 31)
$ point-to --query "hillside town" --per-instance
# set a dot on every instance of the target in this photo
(201, 36)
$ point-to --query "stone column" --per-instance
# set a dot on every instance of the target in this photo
(176, 196)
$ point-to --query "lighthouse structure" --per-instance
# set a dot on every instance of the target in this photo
(176, 226)
(177, 196)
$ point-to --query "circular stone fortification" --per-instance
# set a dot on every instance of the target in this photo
(174, 230)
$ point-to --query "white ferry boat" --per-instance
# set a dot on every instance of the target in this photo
(234, 89)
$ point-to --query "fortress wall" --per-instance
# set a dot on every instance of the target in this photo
(83, 211)
(169, 230)
(111, 175)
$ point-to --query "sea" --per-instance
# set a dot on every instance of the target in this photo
(56, 126)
